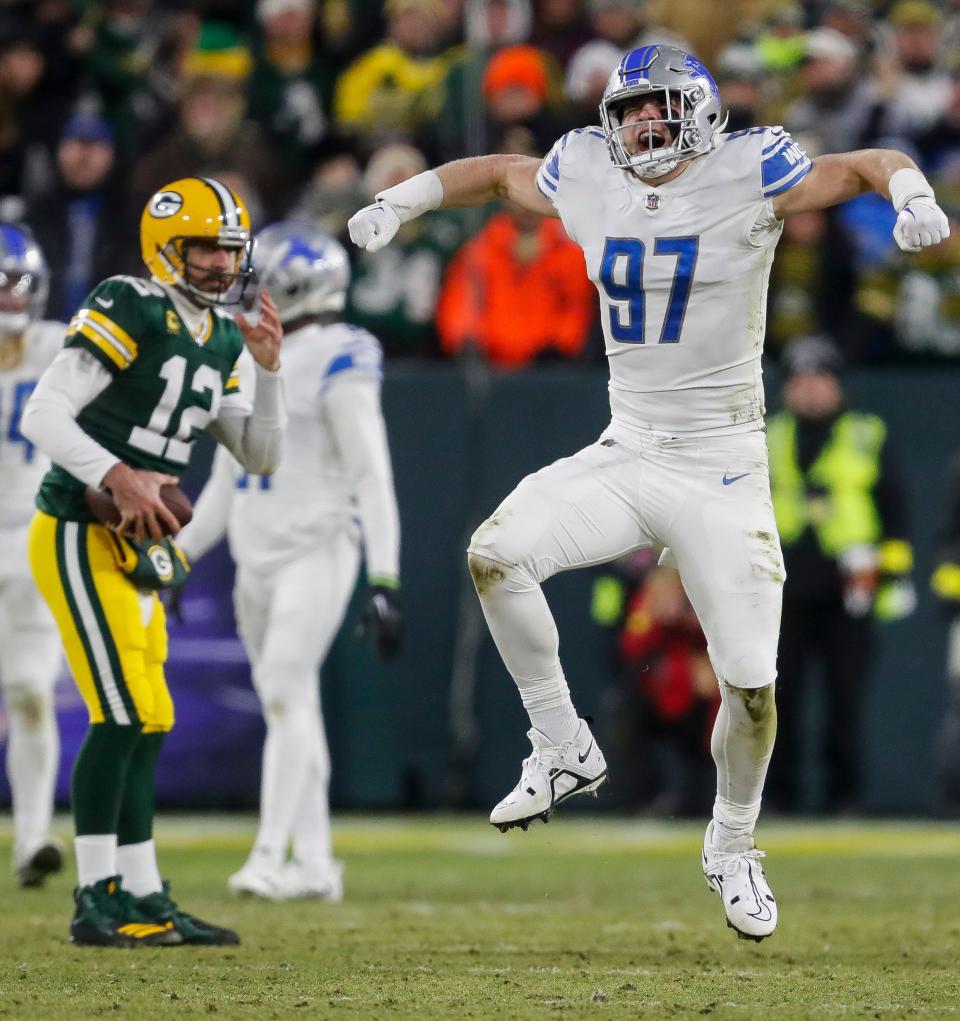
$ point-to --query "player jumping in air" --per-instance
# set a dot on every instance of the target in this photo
(678, 223)
(297, 538)
(29, 644)
(147, 364)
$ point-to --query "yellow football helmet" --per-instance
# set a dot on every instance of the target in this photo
(196, 209)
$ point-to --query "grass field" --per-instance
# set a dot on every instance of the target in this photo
(446, 918)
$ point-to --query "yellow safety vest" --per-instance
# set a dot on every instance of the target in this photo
(847, 470)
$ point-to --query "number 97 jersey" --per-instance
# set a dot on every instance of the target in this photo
(682, 271)
(170, 378)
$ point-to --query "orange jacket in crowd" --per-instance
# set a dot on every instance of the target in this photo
(511, 308)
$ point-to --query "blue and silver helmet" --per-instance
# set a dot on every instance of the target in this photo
(24, 279)
(691, 112)
(305, 269)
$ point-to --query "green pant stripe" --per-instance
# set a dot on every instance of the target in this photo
(111, 646)
(77, 619)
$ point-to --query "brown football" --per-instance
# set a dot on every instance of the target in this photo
(102, 507)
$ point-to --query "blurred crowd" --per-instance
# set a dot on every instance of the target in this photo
(309, 107)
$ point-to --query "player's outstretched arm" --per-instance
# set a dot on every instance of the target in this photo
(468, 182)
(892, 174)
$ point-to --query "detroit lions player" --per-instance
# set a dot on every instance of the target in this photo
(678, 223)
(297, 538)
(29, 643)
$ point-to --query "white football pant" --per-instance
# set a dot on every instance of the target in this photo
(29, 664)
(708, 500)
(288, 619)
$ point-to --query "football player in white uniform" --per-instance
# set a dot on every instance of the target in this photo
(678, 223)
(297, 538)
(29, 643)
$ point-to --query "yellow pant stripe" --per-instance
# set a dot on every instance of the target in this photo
(114, 635)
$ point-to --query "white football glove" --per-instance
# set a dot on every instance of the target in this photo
(921, 223)
(373, 227)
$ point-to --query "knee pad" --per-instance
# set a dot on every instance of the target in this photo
(741, 666)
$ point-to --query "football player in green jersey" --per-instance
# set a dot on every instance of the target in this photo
(147, 364)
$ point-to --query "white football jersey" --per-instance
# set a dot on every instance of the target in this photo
(682, 272)
(273, 517)
(22, 466)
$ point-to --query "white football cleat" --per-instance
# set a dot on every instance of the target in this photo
(551, 774)
(313, 882)
(257, 879)
(737, 875)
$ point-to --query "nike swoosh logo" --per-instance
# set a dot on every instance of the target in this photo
(583, 758)
(728, 480)
(107, 303)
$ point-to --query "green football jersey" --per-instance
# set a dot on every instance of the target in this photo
(167, 383)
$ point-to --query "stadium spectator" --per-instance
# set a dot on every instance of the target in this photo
(741, 77)
(395, 86)
(134, 53)
(812, 282)
(660, 712)
(29, 116)
(490, 25)
(939, 145)
(587, 75)
(291, 88)
(517, 89)
(840, 513)
(517, 292)
(394, 292)
(945, 584)
(213, 132)
(911, 311)
(334, 188)
(837, 102)
(559, 28)
(915, 84)
(74, 221)
(618, 21)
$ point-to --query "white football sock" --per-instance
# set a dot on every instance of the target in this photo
(525, 633)
(294, 741)
(741, 744)
(137, 865)
(312, 843)
(96, 857)
(33, 753)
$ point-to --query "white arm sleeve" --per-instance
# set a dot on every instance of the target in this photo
(254, 437)
(211, 512)
(353, 408)
(72, 380)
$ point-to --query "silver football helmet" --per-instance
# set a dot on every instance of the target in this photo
(692, 117)
(24, 279)
(305, 269)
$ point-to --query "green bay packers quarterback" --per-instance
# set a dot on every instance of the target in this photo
(147, 365)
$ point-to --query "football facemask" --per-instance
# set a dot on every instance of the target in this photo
(687, 99)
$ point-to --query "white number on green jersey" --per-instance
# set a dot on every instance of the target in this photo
(154, 439)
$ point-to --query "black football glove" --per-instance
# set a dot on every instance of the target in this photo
(382, 621)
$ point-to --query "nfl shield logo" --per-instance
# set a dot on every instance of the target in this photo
(653, 202)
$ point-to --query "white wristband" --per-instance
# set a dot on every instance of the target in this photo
(414, 197)
(907, 184)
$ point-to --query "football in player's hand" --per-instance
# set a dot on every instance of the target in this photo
(102, 507)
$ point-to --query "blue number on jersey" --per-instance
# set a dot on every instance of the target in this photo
(243, 482)
(630, 330)
(21, 393)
